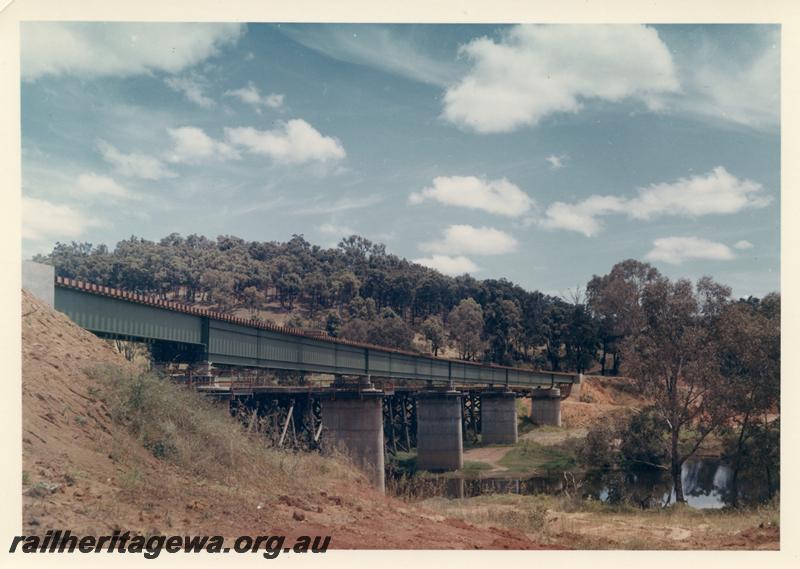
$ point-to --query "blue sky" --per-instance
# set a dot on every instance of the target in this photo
(542, 154)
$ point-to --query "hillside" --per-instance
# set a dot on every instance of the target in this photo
(83, 469)
(599, 397)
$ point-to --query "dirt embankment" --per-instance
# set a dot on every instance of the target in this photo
(599, 397)
(84, 471)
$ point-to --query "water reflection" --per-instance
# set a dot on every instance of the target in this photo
(706, 484)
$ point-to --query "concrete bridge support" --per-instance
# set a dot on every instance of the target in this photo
(546, 407)
(439, 443)
(498, 417)
(353, 424)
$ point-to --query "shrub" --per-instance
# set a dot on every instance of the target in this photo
(644, 439)
(599, 448)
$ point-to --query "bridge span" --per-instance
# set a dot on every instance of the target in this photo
(352, 413)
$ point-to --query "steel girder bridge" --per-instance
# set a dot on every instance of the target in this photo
(185, 333)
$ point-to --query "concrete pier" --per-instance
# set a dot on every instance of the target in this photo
(546, 407)
(498, 417)
(439, 442)
(353, 424)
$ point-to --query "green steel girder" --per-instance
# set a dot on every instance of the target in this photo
(231, 343)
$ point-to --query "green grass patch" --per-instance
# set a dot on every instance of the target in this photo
(405, 462)
(529, 456)
(475, 466)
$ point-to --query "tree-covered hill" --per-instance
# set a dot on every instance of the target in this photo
(359, 291)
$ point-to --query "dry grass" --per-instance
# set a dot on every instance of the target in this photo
(589, 524)
(181, 427)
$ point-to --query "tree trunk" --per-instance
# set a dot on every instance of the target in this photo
(738, 462)
(603, 359)
(676, 469)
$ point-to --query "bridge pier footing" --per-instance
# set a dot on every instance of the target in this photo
(498, 417)
(439, 443)
(546, 407)
(353, 424)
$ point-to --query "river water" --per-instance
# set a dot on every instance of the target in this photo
(706, 484)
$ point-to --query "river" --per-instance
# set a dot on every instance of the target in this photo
(707, 484)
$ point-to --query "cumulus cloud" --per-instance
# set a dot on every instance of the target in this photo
(43, 220)
(192, 145)
(452, 266)
(134, 165)
(293, 142)
(676, 250)
(500, 197)
(717, 192)
(742, 245)
(582, 216)
(191, 89)
(534, 71)
(252, 96)
(92, 49)
(469, 240)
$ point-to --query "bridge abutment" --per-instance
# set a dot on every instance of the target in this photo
(439, 442)
(498, 417)
(353, 424)
(546, 407)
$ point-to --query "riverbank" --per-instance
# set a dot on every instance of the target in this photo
(569, 521)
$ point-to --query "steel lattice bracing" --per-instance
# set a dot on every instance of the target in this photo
(228, 340)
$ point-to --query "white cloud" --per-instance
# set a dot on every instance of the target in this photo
(192, 145)
(742, 245)
(534, 71)
(557, 162)
(134, 165)
(719, 86)
(336, 230)
(676, 250)
(93, 49)
(92, 185)
(717, 192)
(500, 197)
(452, 266)
(380, 47)
(581, 217)
(252, 96)
(191, 89)
(294, 142)
(43, 220)
(469, 240)
(320, 204)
